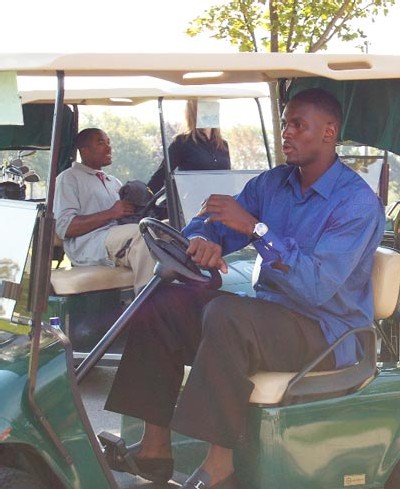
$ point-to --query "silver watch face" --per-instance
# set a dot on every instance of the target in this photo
(260, 229)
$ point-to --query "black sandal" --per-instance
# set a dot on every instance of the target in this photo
(124, 459)
(201, 479)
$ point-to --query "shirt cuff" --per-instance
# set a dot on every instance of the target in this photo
(196, 236)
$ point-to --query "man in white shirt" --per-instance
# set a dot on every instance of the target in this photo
(87, 207)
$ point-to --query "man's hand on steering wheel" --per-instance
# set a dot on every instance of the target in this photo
(206, 254)
(169, 249)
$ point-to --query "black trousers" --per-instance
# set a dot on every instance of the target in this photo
(226, 338)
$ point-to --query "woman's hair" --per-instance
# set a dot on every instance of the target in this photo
(195, 133)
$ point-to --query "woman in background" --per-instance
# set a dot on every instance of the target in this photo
(194, 149)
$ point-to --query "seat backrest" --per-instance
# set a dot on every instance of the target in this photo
(195, 186)
(385, 281)
(274, 388)
(58, 250)
(58, 241)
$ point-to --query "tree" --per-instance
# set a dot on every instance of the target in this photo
(286, 26)
(246, 147)
(136, 146)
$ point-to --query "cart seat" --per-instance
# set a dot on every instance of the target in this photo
(77, 280)
(281, 388)
(90, 278)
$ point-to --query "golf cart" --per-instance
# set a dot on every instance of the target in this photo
(89, 299)
(306, 429)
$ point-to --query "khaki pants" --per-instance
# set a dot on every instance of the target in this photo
(136, 257)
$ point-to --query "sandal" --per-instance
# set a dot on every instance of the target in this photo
(153, 469)
(201, 479)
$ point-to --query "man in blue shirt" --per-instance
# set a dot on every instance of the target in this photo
(316, 225)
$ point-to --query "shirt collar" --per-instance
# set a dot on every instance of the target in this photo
(89, 170)
(325, 183)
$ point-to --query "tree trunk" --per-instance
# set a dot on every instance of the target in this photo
(276, 120)
(276, 124)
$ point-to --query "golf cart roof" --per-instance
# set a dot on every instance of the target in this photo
(200, 68)
(134, 95)
(367, 86)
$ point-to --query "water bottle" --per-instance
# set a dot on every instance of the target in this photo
(55, 322)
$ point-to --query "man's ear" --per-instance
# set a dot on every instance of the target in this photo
(83, 152)
(331, 132)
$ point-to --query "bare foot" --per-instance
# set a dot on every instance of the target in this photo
(155, 443)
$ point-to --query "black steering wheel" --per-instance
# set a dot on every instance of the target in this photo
(156, 206)
(168, 247)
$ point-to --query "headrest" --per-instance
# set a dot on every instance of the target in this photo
(385, 281)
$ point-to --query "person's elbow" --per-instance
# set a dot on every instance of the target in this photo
(69, 234)
(62, 225)
(72, 229)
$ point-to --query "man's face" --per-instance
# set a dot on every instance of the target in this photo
(97, 153)
(306, 131)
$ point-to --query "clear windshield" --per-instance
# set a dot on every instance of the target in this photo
(17, 224)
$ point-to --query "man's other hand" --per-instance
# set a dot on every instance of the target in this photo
(206, 254)
(225, 209)
(121, 208)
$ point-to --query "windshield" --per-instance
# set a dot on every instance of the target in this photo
(366, 161)
(17, 222)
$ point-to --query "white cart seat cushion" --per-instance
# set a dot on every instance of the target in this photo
(269, 387)
(77, 280)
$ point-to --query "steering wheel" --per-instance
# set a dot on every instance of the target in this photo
(168, 247)
(155, 207)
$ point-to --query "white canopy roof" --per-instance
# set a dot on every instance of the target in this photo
(190, 68)
(137, 95)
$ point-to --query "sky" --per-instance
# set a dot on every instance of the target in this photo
(138, 26)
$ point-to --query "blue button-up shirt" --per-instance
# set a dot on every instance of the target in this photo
(327, 236)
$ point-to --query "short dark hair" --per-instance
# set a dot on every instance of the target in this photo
(83, 137)
(321, 99)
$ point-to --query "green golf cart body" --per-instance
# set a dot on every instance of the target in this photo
(303, 432)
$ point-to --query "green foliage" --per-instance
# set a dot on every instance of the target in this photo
(235, 22)
(285, 26)
(394, 178)
(39, 161)
(136, 147)
(246, 148)
(288, 26)
(137, 150)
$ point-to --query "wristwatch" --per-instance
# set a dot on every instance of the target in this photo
(259, 230)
